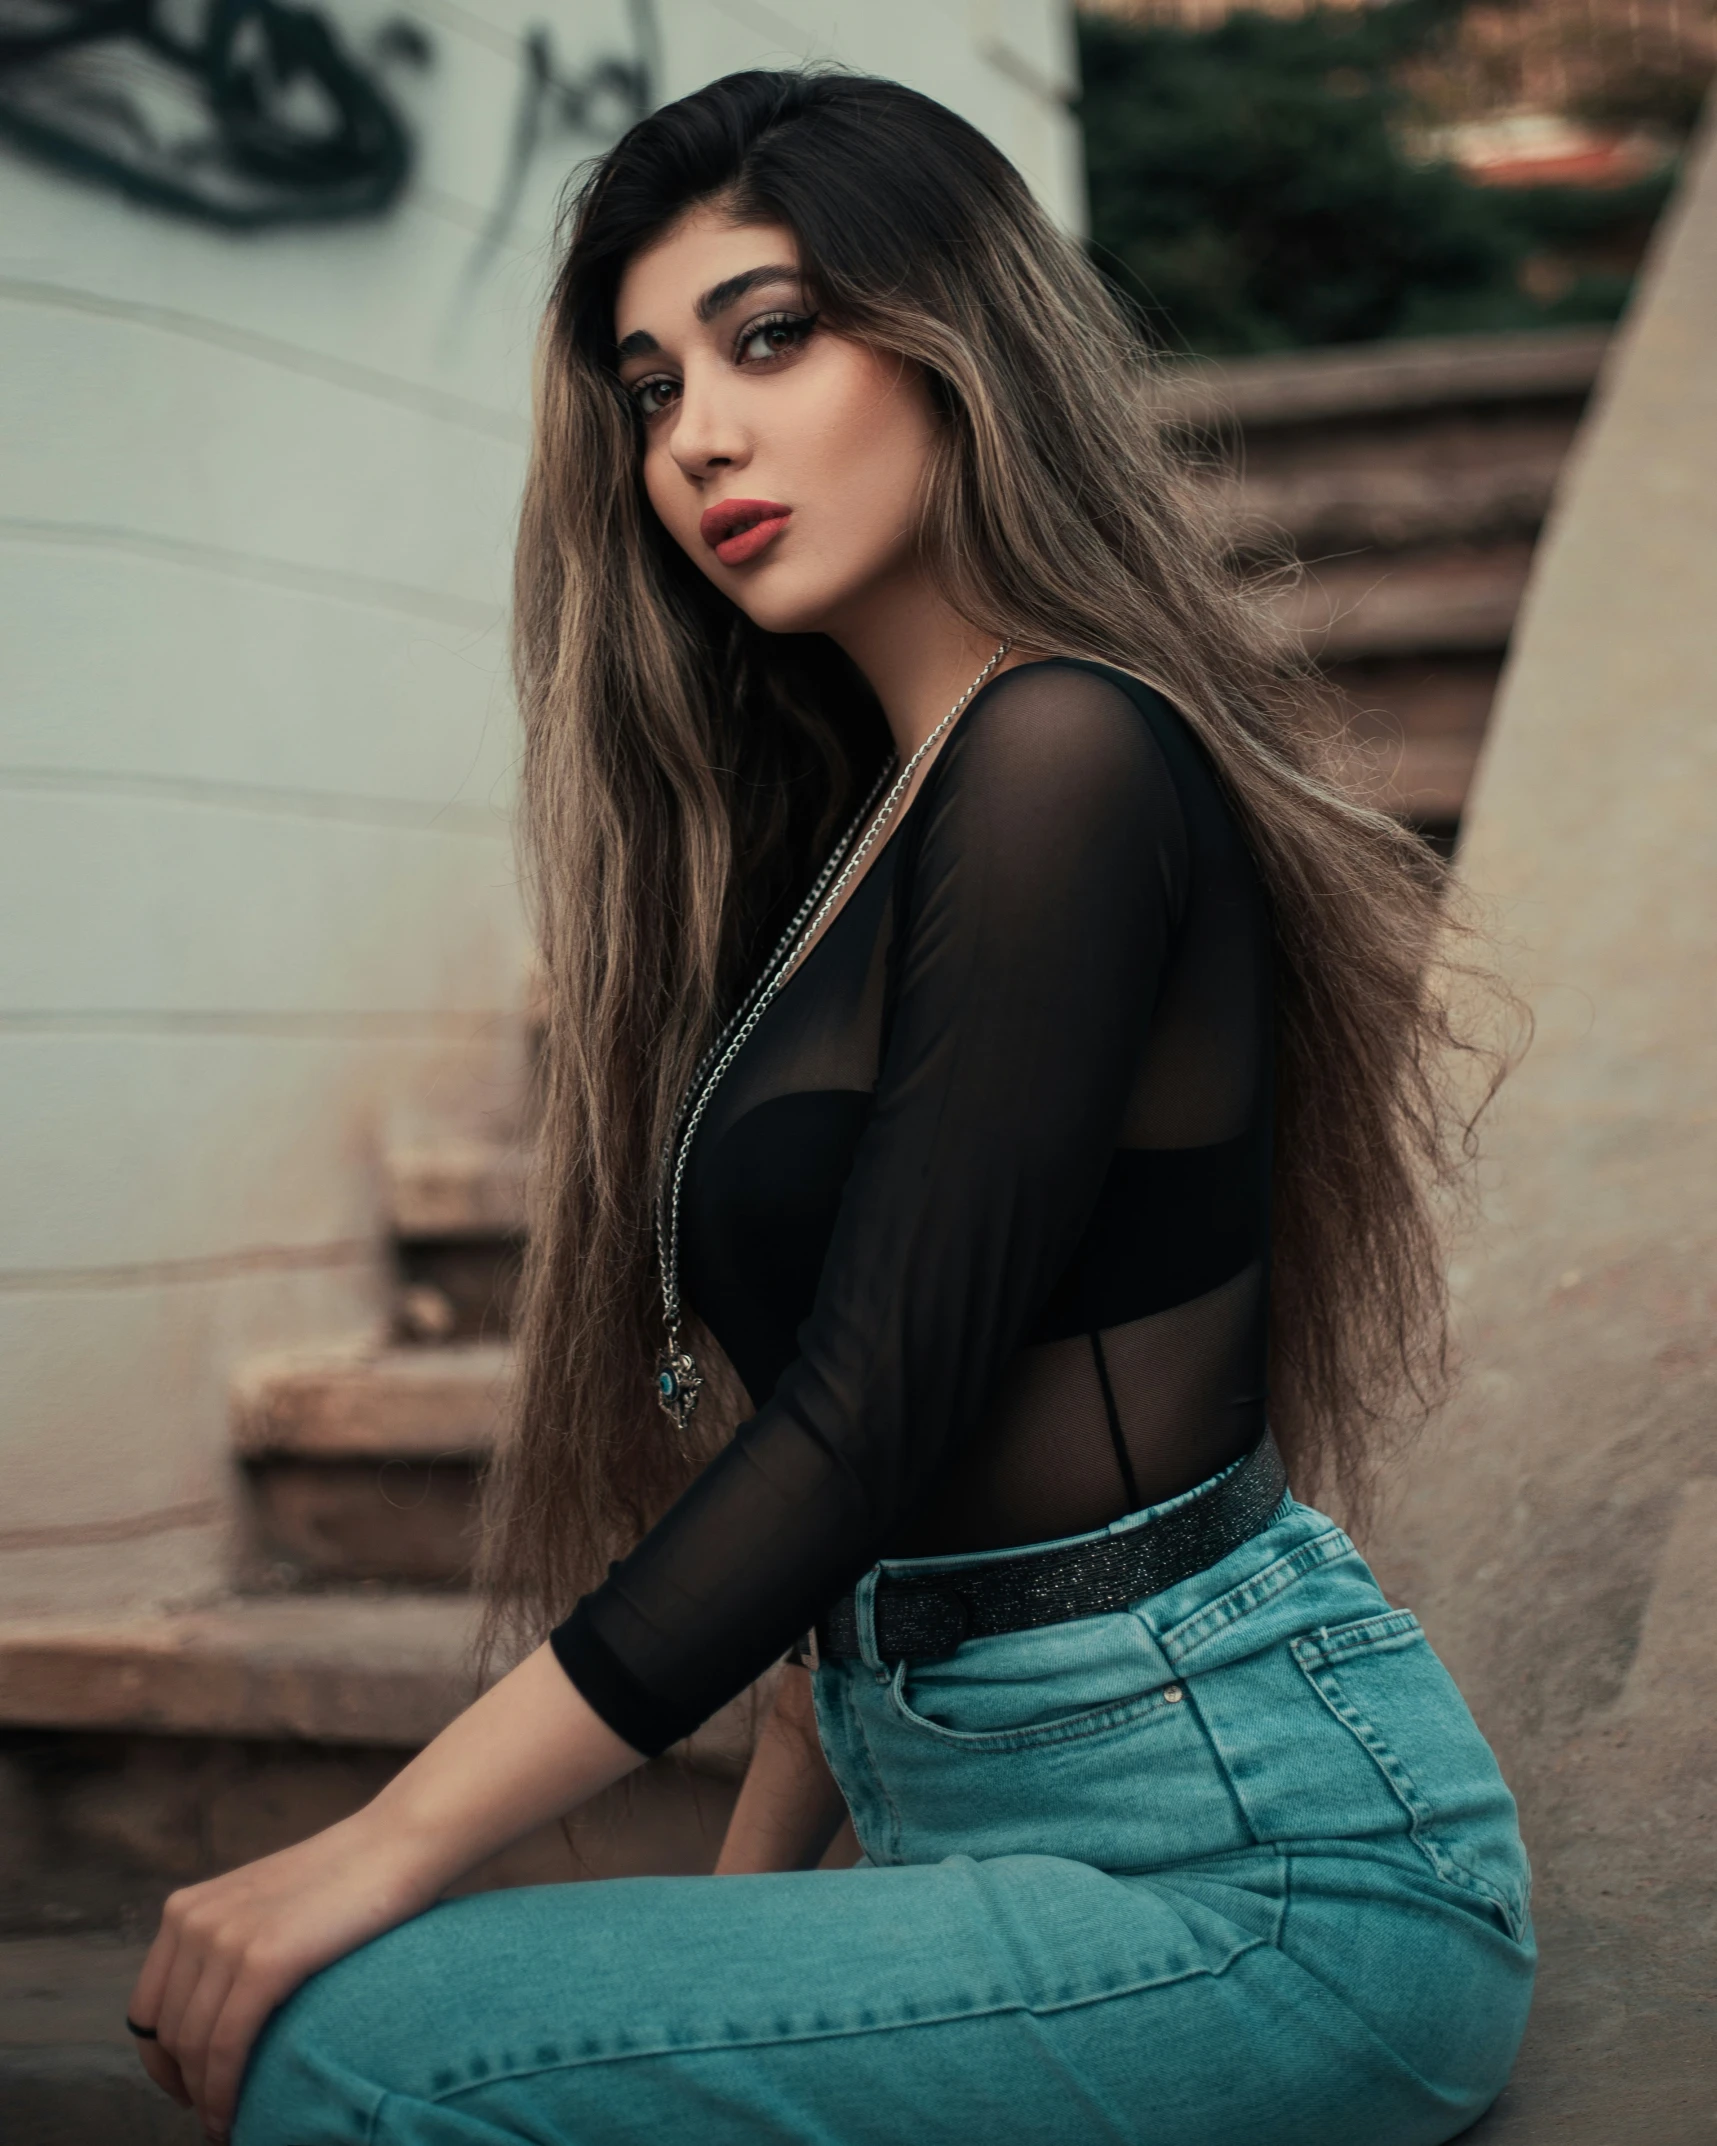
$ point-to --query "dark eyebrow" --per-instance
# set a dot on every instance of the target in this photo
(642, 344)
(721, 295)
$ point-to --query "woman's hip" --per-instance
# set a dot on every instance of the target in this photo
(1268, 1746)
(1274, 1705)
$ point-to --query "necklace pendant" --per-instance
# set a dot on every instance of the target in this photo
(678, 1383)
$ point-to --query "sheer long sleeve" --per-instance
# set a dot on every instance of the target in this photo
(1039, 880)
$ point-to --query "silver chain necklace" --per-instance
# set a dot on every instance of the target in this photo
(678, 1380)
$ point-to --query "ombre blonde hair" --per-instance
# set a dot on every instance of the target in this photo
(683, 769)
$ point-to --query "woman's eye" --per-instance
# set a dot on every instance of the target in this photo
(771, 338)
(654, 395)
(756, 345)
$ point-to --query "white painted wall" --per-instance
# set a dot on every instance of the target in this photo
(256, 892)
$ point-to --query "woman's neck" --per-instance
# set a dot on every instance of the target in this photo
(918, 654)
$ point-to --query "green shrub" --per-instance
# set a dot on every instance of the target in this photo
(1250, 189)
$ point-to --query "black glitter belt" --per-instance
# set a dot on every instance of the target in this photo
(924, 1616)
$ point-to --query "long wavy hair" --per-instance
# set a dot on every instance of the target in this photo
(683, 768)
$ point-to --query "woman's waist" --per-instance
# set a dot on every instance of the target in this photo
(1296, 1577)
(927, 1606)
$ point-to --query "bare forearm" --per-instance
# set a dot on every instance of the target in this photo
(790, 1807)
(231, 1949)
(530, 1749)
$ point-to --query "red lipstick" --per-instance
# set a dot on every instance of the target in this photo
(739, 529)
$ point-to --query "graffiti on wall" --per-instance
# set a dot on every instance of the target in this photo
(260, 113)
(556, 101)
(257, 115)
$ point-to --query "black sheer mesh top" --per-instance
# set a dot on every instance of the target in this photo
(980, 1214)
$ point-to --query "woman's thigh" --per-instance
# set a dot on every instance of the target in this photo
(1024, 1999)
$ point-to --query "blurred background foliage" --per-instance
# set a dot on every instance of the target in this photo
(1265, 180)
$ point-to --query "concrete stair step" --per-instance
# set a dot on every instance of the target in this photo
(362, 1462)
(456, 1202)
(362, 1401)
(1457, 600)
(385, 1669)
(147, 1752)
(318, 1524)
(1400, 492)
(451, 1185)
(1309, 387)
(382, 1669)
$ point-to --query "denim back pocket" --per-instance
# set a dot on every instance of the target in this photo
(1379, 1679)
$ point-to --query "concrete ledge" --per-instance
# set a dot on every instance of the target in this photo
(368, 1403)
(1672, 1680)
(387, 1669)
(339, 1669)
(457, 1187)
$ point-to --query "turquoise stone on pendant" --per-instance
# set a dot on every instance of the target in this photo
(678, 1383)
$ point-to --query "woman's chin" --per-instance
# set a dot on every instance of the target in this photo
(782, 608)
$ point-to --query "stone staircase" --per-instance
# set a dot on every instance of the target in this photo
(349, 1624)
(360, 1462)
(142, 1751)
(1411, 479)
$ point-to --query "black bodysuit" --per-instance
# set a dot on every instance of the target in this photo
(980, 1213)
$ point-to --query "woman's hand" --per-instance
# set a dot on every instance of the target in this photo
(231, 1950)
(790, 1807)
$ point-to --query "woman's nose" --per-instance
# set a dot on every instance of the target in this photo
(708, 435)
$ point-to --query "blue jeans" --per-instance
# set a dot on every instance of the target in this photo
(1233, 1865)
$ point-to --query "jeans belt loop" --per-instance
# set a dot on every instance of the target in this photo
(864, 1611)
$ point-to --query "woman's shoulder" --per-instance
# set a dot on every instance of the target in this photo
(1061, 725)
(1093, 724)
(1055, 772)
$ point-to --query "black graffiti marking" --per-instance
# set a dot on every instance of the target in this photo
(263, 117)
(602, 101)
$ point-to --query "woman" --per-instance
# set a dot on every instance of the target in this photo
(1091, 1093)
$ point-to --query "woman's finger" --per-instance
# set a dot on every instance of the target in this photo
(250, 2000)
(197, 1939)
(189, 2040)
(143, 2008)
(165, 2073)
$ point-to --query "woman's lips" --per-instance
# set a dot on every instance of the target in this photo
(739, 529)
